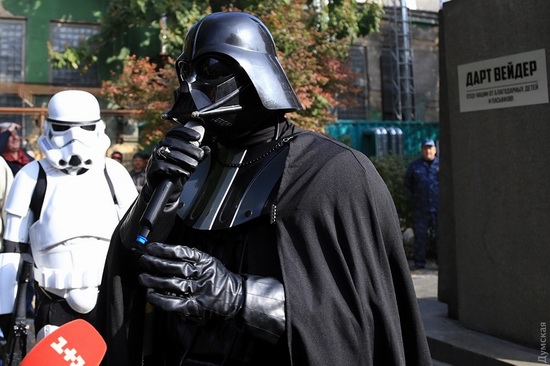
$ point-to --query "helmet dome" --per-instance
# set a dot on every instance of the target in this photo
(246, 40)
(74, 107)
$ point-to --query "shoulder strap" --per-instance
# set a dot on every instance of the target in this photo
(39, 192)
(110, 183)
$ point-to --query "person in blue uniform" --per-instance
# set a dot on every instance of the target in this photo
(422, 180)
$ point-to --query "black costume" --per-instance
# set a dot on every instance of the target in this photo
(306, 223)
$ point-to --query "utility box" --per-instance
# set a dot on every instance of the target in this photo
(375, 142)
(381, 141)
(395, 141)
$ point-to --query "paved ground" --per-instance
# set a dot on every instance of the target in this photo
(425, 285)
(453, 344)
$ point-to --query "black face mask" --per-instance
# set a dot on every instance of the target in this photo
(217, 92)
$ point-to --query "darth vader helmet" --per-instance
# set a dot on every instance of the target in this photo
(229, 74)
(74, 136)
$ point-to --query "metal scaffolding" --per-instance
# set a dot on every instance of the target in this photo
(402, 78)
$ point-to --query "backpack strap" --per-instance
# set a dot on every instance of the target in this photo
(38, 193)
(111, 187)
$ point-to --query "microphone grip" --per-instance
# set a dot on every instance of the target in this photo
(160, 196)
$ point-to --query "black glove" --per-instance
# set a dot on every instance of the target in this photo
(175, 157)
(190, 282)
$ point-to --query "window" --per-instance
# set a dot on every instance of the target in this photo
(12, 41)
(358, 63)
(72, 34)
(12, 60)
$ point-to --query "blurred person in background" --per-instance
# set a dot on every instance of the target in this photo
(10, 146)
(117, 155)
(139, 162)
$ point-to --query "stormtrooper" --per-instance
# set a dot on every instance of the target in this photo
(62, 209)
(271, 245)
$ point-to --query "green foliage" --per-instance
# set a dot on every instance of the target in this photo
(313, 43)
(337, 20)
(369, 18)
(143, 86)
(79, 57)
(124, 15)
(392, 168)
(346, 139)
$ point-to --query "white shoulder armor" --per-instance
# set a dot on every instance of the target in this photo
(9, 263)
(20, 194)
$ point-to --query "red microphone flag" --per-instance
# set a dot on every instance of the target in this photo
(76, 343)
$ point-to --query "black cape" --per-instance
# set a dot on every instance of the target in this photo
(349, 293)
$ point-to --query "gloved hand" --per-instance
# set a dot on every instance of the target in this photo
(175, 157)
(190, 282)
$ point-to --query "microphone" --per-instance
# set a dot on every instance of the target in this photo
(161, 195)
(75, 343)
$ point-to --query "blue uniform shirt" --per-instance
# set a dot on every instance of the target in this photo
(422, 179)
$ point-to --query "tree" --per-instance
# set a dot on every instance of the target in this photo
(122, 17)
(313, 42)
(143, 85)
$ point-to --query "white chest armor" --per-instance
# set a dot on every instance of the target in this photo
(74, 206)
(70, 239)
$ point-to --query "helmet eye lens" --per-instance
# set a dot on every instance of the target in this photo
(59, 128)
(88, 127)
(207, 68)
(211, 68)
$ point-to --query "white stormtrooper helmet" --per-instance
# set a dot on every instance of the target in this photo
(74, 136)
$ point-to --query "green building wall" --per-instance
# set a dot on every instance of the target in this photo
(40, 14)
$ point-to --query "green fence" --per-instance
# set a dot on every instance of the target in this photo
(377, 138)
